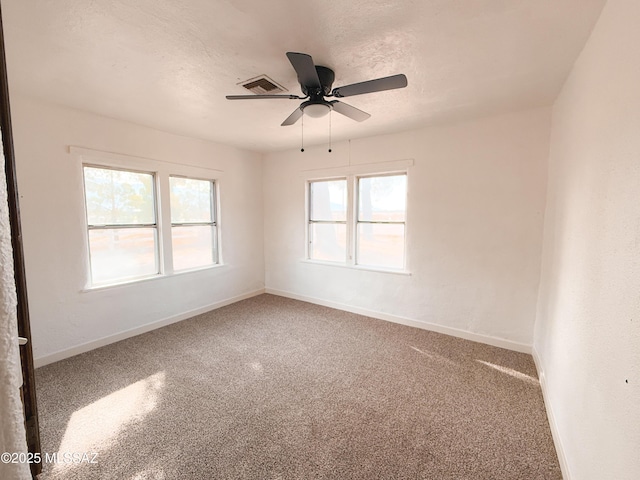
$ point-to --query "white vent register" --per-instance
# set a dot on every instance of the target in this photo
(262, 85)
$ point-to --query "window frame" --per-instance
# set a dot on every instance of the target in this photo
(311, 222)
(162, 170)
(357, 221)
(213, 223)
(352, 177)
(120, 226)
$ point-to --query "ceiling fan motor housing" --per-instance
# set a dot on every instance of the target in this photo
(326, 77)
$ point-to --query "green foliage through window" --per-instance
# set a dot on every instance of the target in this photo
(118, 197)
(191, 200)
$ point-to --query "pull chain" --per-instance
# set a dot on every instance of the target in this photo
(302, 136)
(329, 131)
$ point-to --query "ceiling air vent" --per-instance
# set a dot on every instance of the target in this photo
(262, 85)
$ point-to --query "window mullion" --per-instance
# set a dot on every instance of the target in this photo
(352, 218)
(164, 223)
(307, 206)
(215, 253)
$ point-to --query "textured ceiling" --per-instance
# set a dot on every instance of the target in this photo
(169, 64)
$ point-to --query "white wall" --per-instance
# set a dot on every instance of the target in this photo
(64, 317)
(587, 336)
(475, 215)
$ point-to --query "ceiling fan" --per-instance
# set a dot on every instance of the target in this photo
(315, 82)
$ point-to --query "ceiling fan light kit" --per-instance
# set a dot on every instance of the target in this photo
(316, 82)
(316, 110)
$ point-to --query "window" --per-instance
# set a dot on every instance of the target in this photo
(328, 220)
(193, 225)
(358, 220)
(147, 218)
(122, 226)
(380, 222)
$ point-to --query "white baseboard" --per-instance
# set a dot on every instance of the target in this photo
(454, 332)
(101, 342)
(555, 432)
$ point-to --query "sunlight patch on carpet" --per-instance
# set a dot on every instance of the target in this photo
(510, 371)
(435, 356)
(257, 366)
(150, 474)
(95, 428)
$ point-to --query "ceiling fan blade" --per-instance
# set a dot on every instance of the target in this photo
(252, 97)
(349, 111)
(293, 118)
(305, 68)
(370, 86)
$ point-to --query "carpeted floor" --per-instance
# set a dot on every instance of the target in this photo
(272, 388)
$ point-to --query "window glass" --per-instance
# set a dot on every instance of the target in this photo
(328, 201)
(122, 253)
(118, 197)
(193, 246)
(121, 220)
(328, 241)
(382, 199)
(191, 200)
(193, 229)
(381, 245)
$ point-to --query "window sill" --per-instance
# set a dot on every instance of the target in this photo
(152, 278)
(358, 267)
(197, 269)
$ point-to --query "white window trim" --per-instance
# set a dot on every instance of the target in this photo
(352, 173)
(155, 225)
(355, 222)
(214, 223)
(153, 278)
(161, 170)
(364, 268)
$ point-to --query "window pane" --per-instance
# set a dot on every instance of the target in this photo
(328, 200)
(118, 254)
(191, 200)
(380, 245)
(328, 241)
(118, 197)
(192, 246)
(382, 199)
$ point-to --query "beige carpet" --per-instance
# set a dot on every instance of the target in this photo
(272, 388)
